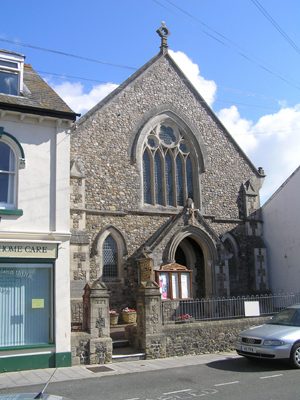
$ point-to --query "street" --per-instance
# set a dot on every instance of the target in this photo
(233, 379)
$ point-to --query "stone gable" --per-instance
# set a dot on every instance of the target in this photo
(107, 199)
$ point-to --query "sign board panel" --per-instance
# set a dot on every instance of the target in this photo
(252, 308)
(37, 303)
(28, 250)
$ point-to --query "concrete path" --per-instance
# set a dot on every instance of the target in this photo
(41, 376)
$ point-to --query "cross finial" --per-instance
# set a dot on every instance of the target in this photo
(163, 32)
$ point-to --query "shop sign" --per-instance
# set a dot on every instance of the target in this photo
(28, 250)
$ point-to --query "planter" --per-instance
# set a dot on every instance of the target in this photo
(114, 319)
(129, 317)
(185, 321)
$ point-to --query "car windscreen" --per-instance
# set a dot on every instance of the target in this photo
(289, 316)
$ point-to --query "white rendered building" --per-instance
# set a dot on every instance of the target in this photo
(281, 216)
(34, 219)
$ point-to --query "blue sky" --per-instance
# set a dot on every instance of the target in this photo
(242, 65)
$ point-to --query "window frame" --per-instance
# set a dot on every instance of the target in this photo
(122, 252)
(51, 328)
(117, 256)
(15, 146)
(10, 173)
(168, 151)
(13, 58)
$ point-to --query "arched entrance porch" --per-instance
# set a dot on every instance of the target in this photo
(194, 249)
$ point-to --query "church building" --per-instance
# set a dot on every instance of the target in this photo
(157, 184)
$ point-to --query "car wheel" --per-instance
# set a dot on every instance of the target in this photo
(295, 356)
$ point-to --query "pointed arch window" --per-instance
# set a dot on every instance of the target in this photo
(169, 179)
(189, 179)
(168, 171)
(233, 263)
(110, 258)
(147, 177)
(179, 181)
(109, 250)
(158, 179)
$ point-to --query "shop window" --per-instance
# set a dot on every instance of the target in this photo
(26, 309)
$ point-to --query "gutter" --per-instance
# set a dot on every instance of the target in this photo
(39, 111)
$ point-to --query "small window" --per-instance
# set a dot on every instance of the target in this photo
(7, 176)
(11, 73)
(110, 258)
(9, 77)
(9, 82)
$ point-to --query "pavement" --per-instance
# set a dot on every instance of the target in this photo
(41, 376)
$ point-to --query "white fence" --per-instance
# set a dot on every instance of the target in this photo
(225, 308)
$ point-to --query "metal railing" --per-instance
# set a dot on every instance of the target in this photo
(224, 308)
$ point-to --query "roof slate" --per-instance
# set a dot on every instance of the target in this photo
(39, 96)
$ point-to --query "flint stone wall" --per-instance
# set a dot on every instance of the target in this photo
(194, 338)
(189, 338)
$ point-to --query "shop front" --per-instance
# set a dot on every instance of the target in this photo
(28, 283)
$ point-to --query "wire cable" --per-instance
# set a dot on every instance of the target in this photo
(274, 23)
(63, 76)
(67, 54)
(226, 45)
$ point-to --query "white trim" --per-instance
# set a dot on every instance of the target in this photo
(25, 354)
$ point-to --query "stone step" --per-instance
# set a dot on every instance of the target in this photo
(128, 357)
(120, 343)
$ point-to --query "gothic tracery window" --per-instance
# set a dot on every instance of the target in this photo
(168, 173)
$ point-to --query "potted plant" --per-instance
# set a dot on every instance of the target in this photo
(113, 316)
(185, 318)
(129, 316)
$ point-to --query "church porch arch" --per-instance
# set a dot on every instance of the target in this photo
(194, 248)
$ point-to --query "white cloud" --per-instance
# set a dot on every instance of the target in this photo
(272, 143)
(80, 102)
(239, 128)
(207, 89)
(278, 147)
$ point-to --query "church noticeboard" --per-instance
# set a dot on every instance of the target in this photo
(28, 250)
(175, 282)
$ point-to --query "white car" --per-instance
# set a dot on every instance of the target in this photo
(278, 339)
